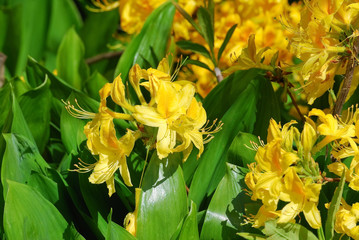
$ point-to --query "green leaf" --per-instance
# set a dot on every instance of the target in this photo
(58, 26)
(94, 84)
(252, 236)
(72, 129)
(28, 215)
(159, 23)
(188, 18)
(36, 73)
(70, 62)
(116, 232)
(97, 30)
(36, 105)
(228, 91)
(24, 30)
(163, 201)
(223, 218)
(21, 157)
(241, 152)
(15, 121)
(267, 108)
(190, 226)
(5, 99)
(225, 41)
(206, 24)
(200, 64)
(334, 206)
(241, 116)
(288, 231)
(194, 47)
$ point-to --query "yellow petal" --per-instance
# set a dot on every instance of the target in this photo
(312, 215)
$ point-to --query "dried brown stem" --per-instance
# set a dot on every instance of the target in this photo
(103, 56)
(347, 79)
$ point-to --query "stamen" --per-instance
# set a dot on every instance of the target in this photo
(78, 113)
(103, 6)
(83, 167)
(179, 65)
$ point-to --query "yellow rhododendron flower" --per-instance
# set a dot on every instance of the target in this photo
(265, 178)
(346, 219)
(102, 141)
(330, 128)
(302, 198)
(172, 101)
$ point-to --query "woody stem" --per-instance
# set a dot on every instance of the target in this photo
(295, 104)
(347, 79)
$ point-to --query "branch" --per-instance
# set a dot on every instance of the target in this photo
(295, 105)
(103, 56)
(347, 79)
(2, 68)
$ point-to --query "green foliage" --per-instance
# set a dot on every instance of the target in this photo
(42, 196)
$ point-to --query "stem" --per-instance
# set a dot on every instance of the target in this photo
(347, 79)
(295, 104)
(102, 56)
(331, 179)
(218, 73)
(144, 167)
(2, 68)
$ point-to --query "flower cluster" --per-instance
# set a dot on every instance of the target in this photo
(324, 40)
(284, 169)
(172, 120)
(253, 17)
(282, 173)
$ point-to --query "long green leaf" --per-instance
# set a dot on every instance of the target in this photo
(241, 152)
(334, 206)
(59, 26)
(25, 25)
(70, 62)
(159, 23)
(116, 232)
(194, 47)
(223, 218)
(287, 231)
(36, 105)
(163, 201)
(28, 215)
(188, 18)
(200, 64)
(225, 41)
(206, 24)
(21, 157)
(190, 226)
(95, 41)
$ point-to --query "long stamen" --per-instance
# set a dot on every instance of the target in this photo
(78, 112)
(103, 6)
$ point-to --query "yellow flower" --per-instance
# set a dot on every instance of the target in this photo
(264, 215)
(346, 219)
(302, 198)
(172, 101)
(287, 133)
(331, 129)
(102, 141)
(188, 127)
(265, 178)
(249, 58)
